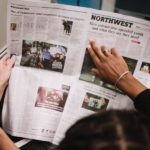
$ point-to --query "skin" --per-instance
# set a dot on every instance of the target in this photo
(110, 65)
(5, 142)
(5, 69)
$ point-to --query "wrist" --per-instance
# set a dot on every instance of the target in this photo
(125, 80)
(131, 86)
(5, 142)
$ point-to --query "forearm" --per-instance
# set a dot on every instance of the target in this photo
(5, 142)
(131, 86)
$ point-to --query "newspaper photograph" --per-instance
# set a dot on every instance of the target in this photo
(145, 67)
(51, 98)
(67, 25)
(94, 102)
(43, 55)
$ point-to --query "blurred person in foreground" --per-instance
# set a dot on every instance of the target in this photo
(112, 129)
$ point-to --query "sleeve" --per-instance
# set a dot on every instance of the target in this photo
(142, 102)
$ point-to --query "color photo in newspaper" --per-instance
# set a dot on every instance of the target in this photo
(43, 55)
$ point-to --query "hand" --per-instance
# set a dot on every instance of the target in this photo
(5, 69)
(110, 65)
(5, 142)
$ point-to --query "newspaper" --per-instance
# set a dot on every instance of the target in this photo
(51, 85)
(3, 51)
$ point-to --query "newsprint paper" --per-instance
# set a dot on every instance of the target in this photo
(51, 85)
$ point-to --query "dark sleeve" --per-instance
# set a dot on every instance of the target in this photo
(142, 102)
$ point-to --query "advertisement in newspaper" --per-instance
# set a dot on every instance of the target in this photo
(52, 85)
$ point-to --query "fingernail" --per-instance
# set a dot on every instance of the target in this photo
(92, 40)
(13, 57)
(89, 46)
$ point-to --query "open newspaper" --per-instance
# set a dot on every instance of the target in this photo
(51, 85)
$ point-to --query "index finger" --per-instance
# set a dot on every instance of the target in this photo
(94, 56)
(97, 50)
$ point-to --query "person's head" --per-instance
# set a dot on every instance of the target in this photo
(109, 130)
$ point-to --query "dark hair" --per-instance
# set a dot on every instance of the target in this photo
(109, 130)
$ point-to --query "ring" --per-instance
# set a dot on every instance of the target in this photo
(105, 50)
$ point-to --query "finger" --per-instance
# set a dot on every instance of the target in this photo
(105, 51)
(97, 50)
(94, 57)
(115, 52)
(94, 45)
(95, 71)
(11, 61)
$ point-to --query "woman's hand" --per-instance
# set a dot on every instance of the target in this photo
(110, 65)
(5, 69)
(5, 142)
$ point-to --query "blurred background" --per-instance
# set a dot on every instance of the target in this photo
(137, 8)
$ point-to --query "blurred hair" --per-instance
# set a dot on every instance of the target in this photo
(109, 130)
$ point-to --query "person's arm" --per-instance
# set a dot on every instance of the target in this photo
(5, 69)
(110, 65)
(131, 86)
(138, 92)
(5, 142)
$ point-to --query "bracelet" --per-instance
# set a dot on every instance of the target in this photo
(123, 74)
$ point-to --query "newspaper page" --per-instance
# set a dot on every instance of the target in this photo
(47, 40)
(34, 103)
(131, 36)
